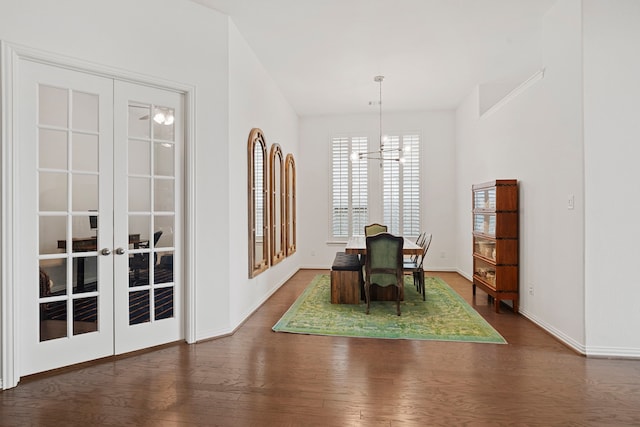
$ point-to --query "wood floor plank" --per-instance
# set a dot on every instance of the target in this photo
(257, 377)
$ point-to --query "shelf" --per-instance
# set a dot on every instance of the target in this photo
(501, 225)
(495, 230)
(485, 259)
(485, 282)
(499, 195)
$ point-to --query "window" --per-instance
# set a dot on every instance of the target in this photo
(401, 186)
(349, 187)
(398, 187)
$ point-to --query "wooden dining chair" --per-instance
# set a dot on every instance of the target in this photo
(420, 242)
(371, 229)
(415, 267)
(383, 265)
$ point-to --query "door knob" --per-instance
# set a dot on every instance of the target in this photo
(119, 251)
(105, 251)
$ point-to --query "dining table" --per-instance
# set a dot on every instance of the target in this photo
(358, 245)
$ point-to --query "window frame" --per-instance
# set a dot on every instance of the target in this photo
(352, 225)
(376, 184)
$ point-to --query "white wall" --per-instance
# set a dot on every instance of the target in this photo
(612, 150)
(438, 177)
(537, 139)
(255, 102)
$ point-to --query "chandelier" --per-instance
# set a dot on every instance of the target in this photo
(382, 153)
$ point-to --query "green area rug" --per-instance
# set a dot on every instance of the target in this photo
(444, 316)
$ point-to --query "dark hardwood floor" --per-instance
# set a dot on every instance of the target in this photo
(260, 378)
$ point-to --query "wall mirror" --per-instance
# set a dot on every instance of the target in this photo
(290, 204)
(277, 204)
(258, 203)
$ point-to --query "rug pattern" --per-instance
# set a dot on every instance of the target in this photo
(444, 316)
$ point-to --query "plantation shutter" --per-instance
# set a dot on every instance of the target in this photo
(401, 186)
(340, 187)
(391, 195)
(359, 188)
(349, 187)
(411, 186)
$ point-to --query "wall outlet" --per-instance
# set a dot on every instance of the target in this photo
(530, 288)
(570, 201)
(443, 254)
(313, 253)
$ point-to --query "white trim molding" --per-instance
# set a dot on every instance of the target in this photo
(559, 335)
(10, 56)
(9, 350)
(514, 93)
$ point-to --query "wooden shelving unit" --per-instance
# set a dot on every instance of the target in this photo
(495, 240)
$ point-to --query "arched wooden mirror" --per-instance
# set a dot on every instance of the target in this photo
(258, 204)
(276, 172)
(290, 203)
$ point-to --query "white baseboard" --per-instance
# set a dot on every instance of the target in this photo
(465, 275)
(219, 333)
(613, 352)
(586, 350)
(315, 267)
(559, 335)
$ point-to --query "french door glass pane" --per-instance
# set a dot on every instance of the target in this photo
(164, 268)
(139, 121)
(53, 277)
(139, 194)
(52, 149)
(85, 111)
(84, 194)
(53, 320)
(165, 223)
(140, 157)
(53, 106)
(85, 152)
(164, 303)
(84, 239)
(85, 273)
(85, 317)
(139, 307)
(53, 234)
(139, 225)
(163, 124)
(164, 159)
(53, 191)
(163, 195)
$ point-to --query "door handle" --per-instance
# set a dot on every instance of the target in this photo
(120, 251)
(105, 251)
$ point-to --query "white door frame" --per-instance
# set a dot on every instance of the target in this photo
(10, 274)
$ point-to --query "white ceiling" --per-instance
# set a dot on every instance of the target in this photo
(323, 54)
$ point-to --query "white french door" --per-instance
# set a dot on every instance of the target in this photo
(147, 216)
(99, 175)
